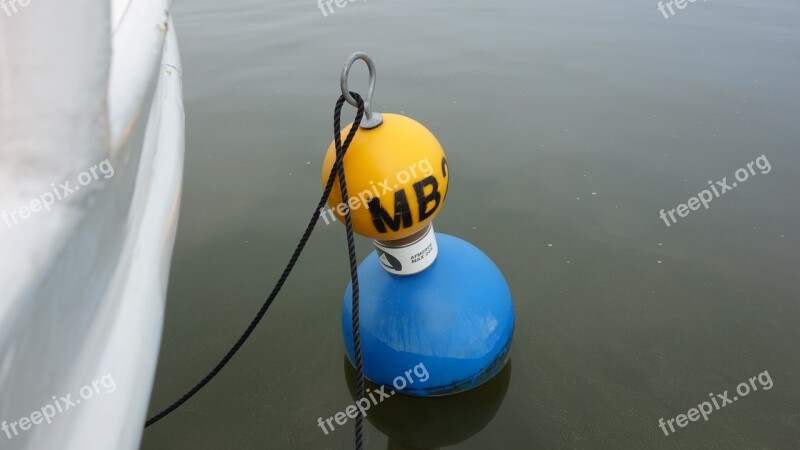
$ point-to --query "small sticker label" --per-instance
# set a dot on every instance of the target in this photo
(409, 259)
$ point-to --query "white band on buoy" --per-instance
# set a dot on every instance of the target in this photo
(410, 255)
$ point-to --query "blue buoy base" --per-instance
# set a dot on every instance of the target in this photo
(445, 330)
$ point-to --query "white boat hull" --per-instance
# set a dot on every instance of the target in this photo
(84, 283)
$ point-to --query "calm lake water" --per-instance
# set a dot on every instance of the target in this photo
(568, 127)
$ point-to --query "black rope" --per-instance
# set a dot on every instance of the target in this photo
(338, 168)
(351, 252)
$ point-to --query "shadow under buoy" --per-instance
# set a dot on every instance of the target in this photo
(429, 423)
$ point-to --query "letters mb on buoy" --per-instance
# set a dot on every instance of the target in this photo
(398, 206)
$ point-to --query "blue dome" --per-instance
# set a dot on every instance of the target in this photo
(445, 330)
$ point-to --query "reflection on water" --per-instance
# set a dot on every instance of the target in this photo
(416, 423)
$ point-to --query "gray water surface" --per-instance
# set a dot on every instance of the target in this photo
(568, 126)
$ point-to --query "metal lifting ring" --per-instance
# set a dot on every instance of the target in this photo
(371, 119)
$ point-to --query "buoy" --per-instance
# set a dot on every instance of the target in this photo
(426, 298)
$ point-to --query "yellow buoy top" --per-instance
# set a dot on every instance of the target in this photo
(397, 178)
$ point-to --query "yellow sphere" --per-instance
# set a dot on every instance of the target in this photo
(397, 179)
